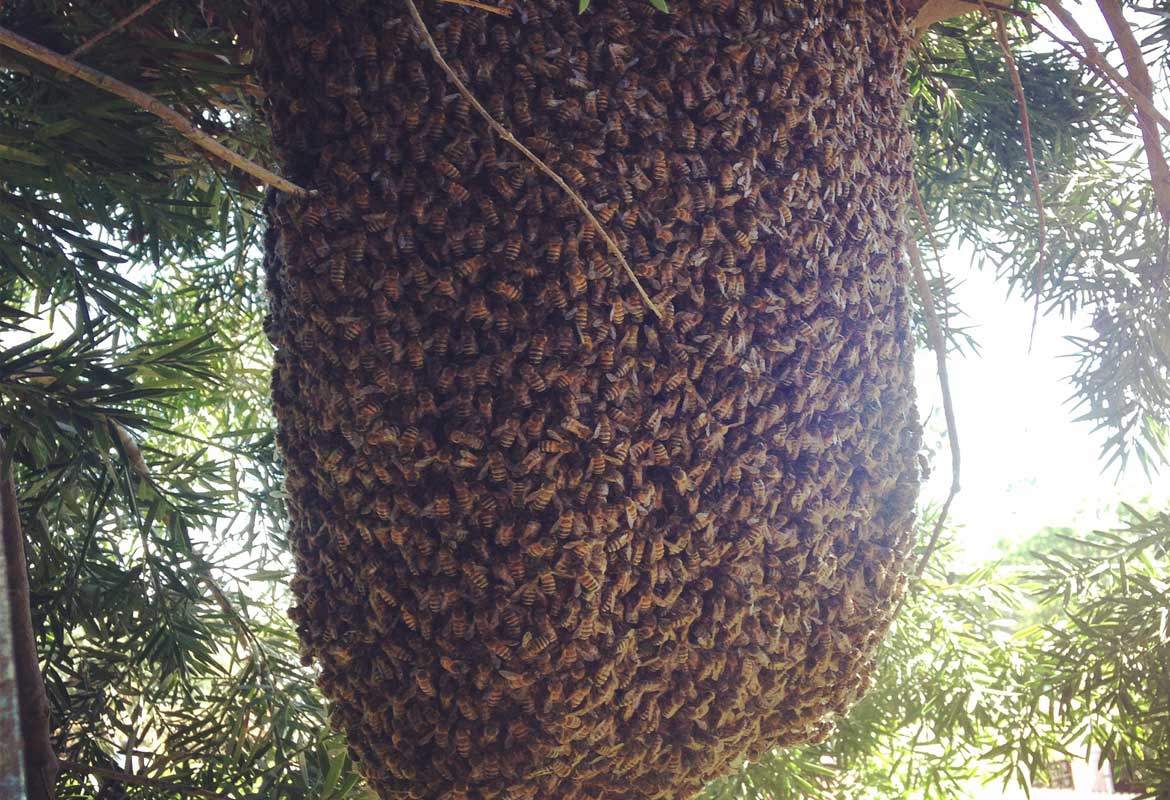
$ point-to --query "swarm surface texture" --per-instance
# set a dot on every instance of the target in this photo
(550, 545)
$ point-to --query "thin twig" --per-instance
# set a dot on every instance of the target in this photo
(503, 12)
(147, 103)
(939, 336)
(133, 454)
(507, 136)
(117, 26)
(938, 344)
(1025, 124)
(1139, 76)
(141, 780)
(920, 206)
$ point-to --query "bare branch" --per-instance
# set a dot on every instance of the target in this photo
(117, 26)
(507, 136)
(147, 103)
(939, 345)
(133, 454)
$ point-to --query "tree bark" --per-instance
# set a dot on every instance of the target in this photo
(11, 747)
(40, 762)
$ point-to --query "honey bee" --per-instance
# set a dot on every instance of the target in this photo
(535, 381)
(578, 284)
(547, 583)
(477, 310)
(512, 247)
(319, 47)
(497, 471)
(573, 175)
(554, 296)
(506, 434)
(531, 462)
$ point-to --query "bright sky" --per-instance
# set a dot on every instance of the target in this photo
(1025, 463)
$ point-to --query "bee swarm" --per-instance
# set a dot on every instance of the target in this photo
(549, 545)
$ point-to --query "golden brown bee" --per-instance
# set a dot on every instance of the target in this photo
(468, 440)
(521, 110)
(531, 462)
(505, 435)
(337, 270)
(446, 168)
(476, 576)
(534, 380)
(524, 73)
(555, 446)
(477, 310)
(573, 175)
(512, 247)
(661, 457)
(555, 296)
(497, 470)
(547, 583)
(578, 284)
(503, 187)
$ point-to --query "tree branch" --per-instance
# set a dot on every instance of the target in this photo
(140, 780)
(937, 10)
(1139, 76)
(503, 12)
(40, 762)
(117, 26)
(144, 101)
(1037, 197)
(939, 346)
(507, 136)
(12, 782)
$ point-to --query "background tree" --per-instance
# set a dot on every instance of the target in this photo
(133, 404)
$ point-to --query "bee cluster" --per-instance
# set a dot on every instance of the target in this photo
(550, 545)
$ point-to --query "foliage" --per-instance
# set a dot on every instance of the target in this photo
(583, 6)
(133, 395)
(1106, 254)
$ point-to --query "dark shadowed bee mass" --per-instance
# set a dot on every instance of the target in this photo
(549, 545)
